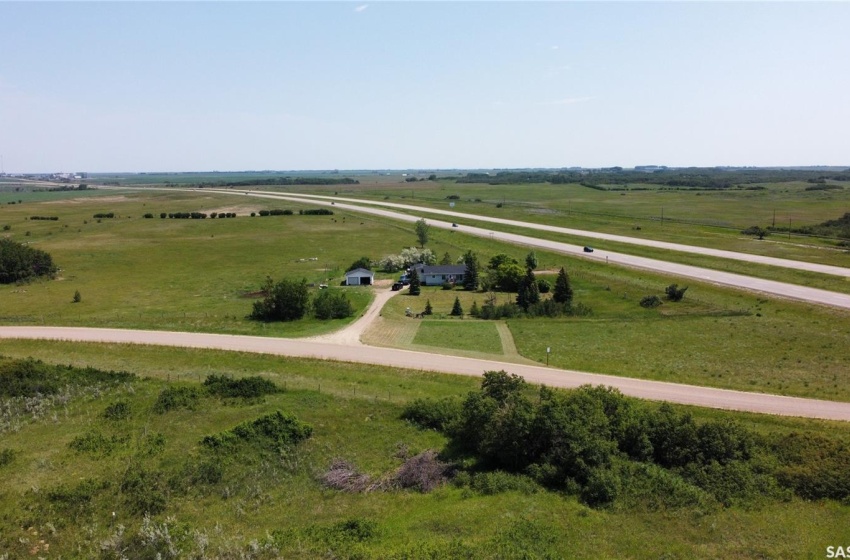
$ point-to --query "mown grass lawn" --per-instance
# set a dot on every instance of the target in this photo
(478, 336)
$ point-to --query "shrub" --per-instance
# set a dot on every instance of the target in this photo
(173, 398)
(144, 491)
(77, 297)
(286, 300)
(674, 293)
(650, 302)
(77, 497)
(447, 285)
(428, 309)
(245, 387)
(6, 456)
(163, 215)
(95, 443)
(543, 286)
(148, 215)
(101, 215)
(332, 304)
(117, 411)
(602, 488)
(277, 429)
(433, 414)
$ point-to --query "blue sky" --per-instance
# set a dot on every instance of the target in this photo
(114, 86)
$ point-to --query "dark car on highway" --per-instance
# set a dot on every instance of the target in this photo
(588, 249)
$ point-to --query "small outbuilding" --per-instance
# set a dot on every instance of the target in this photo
(359, 277)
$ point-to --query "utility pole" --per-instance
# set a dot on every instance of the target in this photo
(774, 217)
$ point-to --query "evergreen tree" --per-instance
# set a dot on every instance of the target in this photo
(470, 276)
(457, 310)
(428, 309)
(474, 311)
(528, 293)
(563, 293)
(415, 284)
(447, 259)
(531, 260)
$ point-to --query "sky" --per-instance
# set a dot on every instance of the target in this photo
(192, 86)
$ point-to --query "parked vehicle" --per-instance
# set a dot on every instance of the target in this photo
(588, 249)
(397, 286)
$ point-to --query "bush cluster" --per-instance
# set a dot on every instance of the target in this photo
(20, 263)
(245, 387)
(117, 411)
(95, 443)
(275, 212)
(596, 443)
(144, 491)
(46, 218)
(30, 378)
(173, 398)
(276, 430)
(316, 212)
(289, 300)
(101, 215)
(332, 304)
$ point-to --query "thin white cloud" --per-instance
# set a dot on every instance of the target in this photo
(554, 47)
(567, 101)
(361, 8)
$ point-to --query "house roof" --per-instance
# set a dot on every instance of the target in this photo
(442, 269)
(360, 272)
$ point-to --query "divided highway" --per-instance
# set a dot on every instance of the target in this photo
(782, 289)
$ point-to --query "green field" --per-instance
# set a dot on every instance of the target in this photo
(275, 505)
(200, 275)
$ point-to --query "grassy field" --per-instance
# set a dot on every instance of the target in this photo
(714, 337)
(181, 274)
(195, 275)
(276, 506)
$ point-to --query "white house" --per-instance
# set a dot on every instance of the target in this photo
(359, 277)
(437, 275)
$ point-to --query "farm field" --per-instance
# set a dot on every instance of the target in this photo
(192, 275)
(56, 493)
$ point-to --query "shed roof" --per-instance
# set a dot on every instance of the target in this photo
(360, 272)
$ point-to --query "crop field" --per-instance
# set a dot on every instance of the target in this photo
(71, 462)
